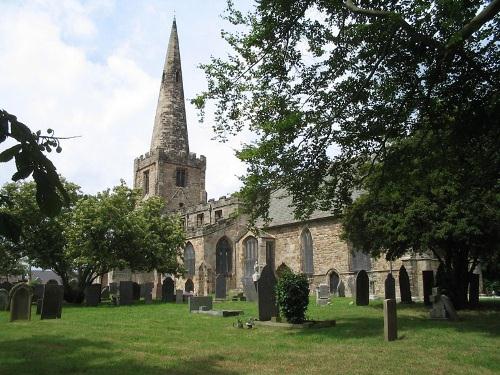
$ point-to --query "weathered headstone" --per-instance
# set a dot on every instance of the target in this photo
(136, 291)
(322, 294)
(189, 286)
(4, 299)
(51, 302)
(362, 289)
(179, 294)
(168, 290)
(404, 286)
(147, 291)
(341, 289)
(428, 284)
(390, 320)
(249, 289)
(20, 302)
(390, 287)
(474, 289)
(93, 295)
(105, 293)
(126, 293)
(442, 307)
(157, 291)
(266, 294)
(450, 309)
(196, 302)
(220, 286)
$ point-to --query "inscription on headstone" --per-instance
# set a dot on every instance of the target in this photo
(220, 286)
(168, 290)
(93, 295)
(266, 294)
(428, 284)
(404, 286)
(52, 301)
(126, 292)
(390, 287)
(362, 289)
(20, 302)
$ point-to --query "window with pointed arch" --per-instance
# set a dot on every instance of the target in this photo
(306, 245)
(189, 259)
(250, 255)
(223, 257)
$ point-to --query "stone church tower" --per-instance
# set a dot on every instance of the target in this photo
(169, 170)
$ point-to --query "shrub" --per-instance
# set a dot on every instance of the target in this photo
(292, 295)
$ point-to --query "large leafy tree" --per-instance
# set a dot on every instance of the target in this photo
(337, 91)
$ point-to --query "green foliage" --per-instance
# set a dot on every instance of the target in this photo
(292, 295)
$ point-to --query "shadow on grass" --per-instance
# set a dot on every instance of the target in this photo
(50, 354)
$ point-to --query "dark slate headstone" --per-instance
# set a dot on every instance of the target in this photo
(362, 289)
(404, 286)
(266, 294)
(196, 302)
(136, 291)
(6, 285)
(126, 293)
(20, 302)
(38, 290)
(4, 299)
(105, 293)
(249, 289)
(474, 290)
(390, 320)
(168, 290)
(113, 288)
(189, 286)
(220, 286)
(147, 291)
(390, 287)
(52, 301)
(93, 295)
(428, 284)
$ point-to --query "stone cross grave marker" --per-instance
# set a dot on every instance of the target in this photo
(404, 286)
(220, 286)
(93, 295)
(390, 320)
(20, 302)
(362, 289)
(168, 290)
(474, 289)
(4, 299)
(196, 302)
(249, 289)
(390, 287)
(428, 284)
(126, 293)
(52, 302)
(266, 294)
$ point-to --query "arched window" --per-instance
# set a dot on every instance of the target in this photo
(189, 259)
(250, 255)
(307, 252)
(223, 257)
(334, 282)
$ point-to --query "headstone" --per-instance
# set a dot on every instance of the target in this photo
(168, 290)
(126, 293)
(474, 290)
(93, 295)
(52, 282)
(220, 286)
(6, 285)
(390, 320)
(404, 286)
(113, 288)
(147, 291)
(428, 284)
(362, 289)
(52, 301)
(61, 290)
(341, 289)
(105, 293)
(438, 311)
(20, 302)
(38, 290)
(451, 313)
(249, 289)
(136, 291)
(322, 294)
(157, 291)
(179, 294)
(148, 298)
(189, 286)
(266, 294)
(196, 303)
(390, 287)
(4, 299)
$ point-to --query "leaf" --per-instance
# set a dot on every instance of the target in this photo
(9, 153)
(21, 132)
(23, 173)
(46, 195)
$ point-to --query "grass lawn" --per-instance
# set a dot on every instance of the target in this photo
(166, 339)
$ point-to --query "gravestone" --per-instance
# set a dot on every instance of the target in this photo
(6, 285)
(38, 290)
(157, 291)
(220, 286)
(266, 294)
(126, 293)
(322, 294)
(195, 303)
(105, 293)
(249, 289)
(168, 290)
(20, 302)
(390, 287)
(113, 288)
(136, 291)
(362, 289)
(148, 298)
(39, 306)
(404, 286)
(52, 302)
(341, 289)
(390, 320)
(4, 299)
(93, 295)
(189, 286)
(52, 282)
(179, 294)
(450, 309)
(474, 289)
(428, 284)
(147, 291)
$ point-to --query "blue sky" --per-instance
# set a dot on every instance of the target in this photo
(93, 69)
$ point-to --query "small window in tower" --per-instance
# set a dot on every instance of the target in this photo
(145, 182)
(180, 177)
(218, 215)
(176, 76)
(199, 219)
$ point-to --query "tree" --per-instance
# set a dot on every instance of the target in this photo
(333, 90)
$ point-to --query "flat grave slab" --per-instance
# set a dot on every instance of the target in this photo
(223, 313)
(305, 325)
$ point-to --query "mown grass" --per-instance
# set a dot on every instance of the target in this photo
(166, 339)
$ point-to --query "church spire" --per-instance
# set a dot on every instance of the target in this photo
(170, 128)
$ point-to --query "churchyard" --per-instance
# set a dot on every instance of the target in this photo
(161, 338)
